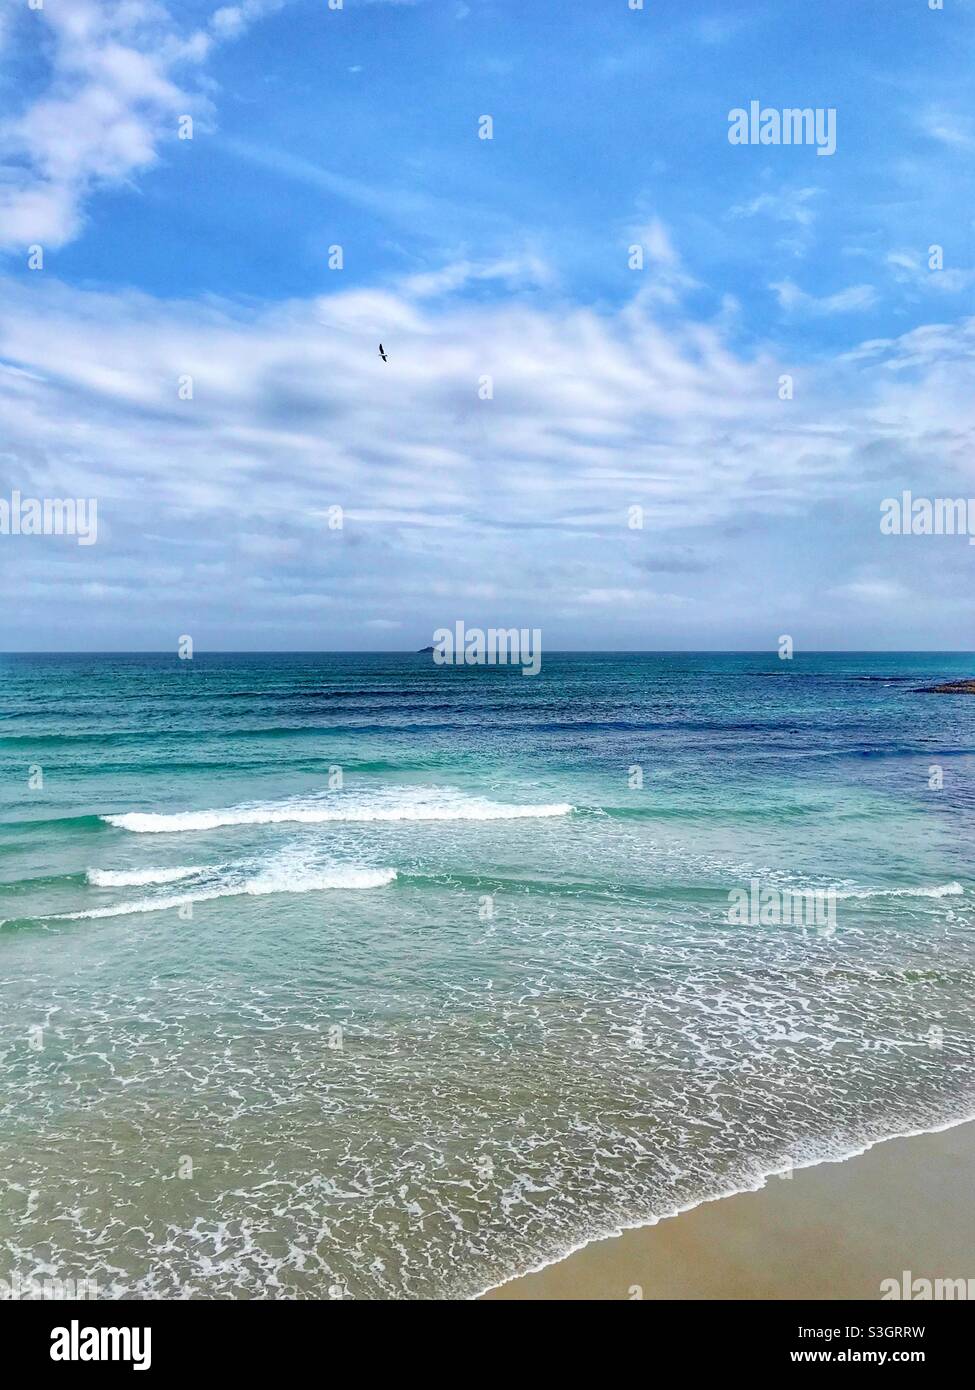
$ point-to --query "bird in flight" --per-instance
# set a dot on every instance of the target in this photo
(382, 354)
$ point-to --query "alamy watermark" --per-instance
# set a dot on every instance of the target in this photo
(793, 125)
(926, 1290)
(77, 1343)
(49, 516)
(497, 646)
(908, 515)
(756, 906)
(17, 1287)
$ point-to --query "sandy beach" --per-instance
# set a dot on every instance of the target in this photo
(836, 1230)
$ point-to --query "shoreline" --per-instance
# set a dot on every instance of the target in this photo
(750, 1243)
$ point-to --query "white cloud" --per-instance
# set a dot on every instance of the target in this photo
(449, 500)
(793, 208)
(525, 269)
(666, 278)
(230, 21)
(948, 127)
(109, 95)
(909, 267)
(784, 205)
(114, 92)
(659, 246)
(790, 296)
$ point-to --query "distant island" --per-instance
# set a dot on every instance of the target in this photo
(427, 649)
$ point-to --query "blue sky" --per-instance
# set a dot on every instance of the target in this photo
(507, 258)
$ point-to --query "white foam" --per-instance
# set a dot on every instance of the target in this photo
(139, 878)
(639, 1223)
(279, 882)
(944, 890)
(407, 805)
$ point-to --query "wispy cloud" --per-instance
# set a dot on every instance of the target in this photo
(792, 298)
(292, 412)
(665, 278)
(427, 214)
(783, 204)
(909, 267)
(951, 128)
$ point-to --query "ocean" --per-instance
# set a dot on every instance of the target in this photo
(352, 976)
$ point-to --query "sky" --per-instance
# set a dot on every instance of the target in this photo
(645, 388)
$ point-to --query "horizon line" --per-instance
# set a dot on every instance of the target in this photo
(555, 651)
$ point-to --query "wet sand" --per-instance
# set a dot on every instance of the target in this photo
(833, 1231)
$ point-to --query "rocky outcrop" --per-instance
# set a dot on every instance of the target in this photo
(949, 688)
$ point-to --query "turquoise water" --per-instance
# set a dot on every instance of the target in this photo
(410, 1035)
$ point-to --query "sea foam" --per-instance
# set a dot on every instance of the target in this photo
(280, 881)
(407, 806)
(943, 890)
(140, 878)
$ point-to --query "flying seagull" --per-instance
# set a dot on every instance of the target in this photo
(382, 353)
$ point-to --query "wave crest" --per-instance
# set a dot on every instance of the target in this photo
(140, 878)
(944, 890)
(442, 807)
(265, 884)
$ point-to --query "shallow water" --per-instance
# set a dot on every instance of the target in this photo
(408, 1036)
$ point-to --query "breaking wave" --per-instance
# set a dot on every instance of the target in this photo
(406, 806)
(279, 882)
(140, 878)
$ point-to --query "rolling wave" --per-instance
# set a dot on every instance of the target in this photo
(75, 823)
(140, 878)
(408, 806)
(263, 886)
(943, 890)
